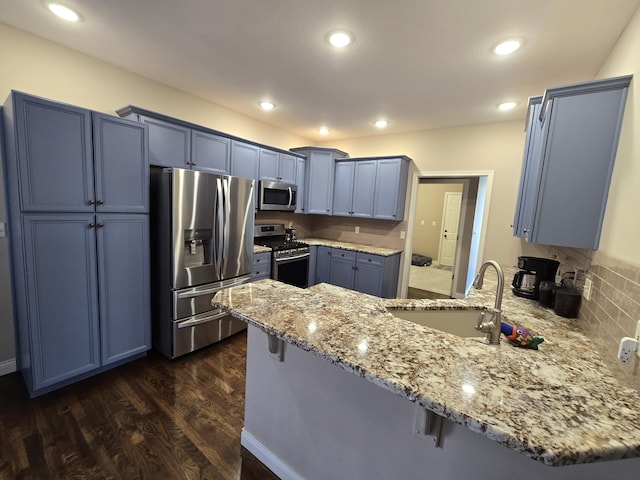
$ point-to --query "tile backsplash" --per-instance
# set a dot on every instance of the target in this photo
(613, 311)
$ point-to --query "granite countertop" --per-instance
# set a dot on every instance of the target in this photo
(356, 247)
(260, 249)
(559, 404)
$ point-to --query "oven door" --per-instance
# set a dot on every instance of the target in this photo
(292, 270)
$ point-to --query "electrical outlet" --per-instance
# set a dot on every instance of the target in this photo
(628, 345)
(357, 229)
(402, 234)
(586, 290)
(638, 337)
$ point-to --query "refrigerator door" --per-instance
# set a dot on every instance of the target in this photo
(237, 227)
(196, 261)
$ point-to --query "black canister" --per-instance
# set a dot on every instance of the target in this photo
(567, 302)
(546, 293)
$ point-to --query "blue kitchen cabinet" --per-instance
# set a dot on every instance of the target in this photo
(323, 265)
(277, 167)
(210, 153)
(313, 258)
(261, 266)
(354, 188)
(120, 164)
(58, 320)
(245, 158)
(80, 268)
(169, 143)
(55, 160)
(123, 281)
(566, 188)
(300, 173)
(391, 188)
(377, 275)
(319, 175)
(342, 268)
(529, 176)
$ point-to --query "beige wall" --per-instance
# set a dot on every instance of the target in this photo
(427, 214)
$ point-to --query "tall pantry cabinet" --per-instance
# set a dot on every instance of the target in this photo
(77, 187)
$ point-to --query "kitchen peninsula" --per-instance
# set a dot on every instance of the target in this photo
(338, 387)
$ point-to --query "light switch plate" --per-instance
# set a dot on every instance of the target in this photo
(586, 289)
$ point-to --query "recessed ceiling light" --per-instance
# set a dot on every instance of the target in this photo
(63, 12)
(507, 46)
(340, 38)
(265, 105)
(506, 106)
(323, 130)
(381, 123)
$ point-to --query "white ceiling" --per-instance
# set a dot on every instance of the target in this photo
(422, 64)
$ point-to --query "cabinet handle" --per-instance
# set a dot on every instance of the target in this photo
(100, 225)
(91, 225)
(92, 202)
(100, 202)
(526, 230)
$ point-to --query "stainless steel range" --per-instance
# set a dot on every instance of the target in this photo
(289, 258)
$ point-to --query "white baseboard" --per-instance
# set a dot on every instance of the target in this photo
(8, 366)
(267, 457)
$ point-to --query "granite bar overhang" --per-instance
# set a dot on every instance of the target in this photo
(558, 405)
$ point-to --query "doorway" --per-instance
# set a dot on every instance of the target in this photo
(454, 253)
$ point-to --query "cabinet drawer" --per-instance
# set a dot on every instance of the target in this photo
(345, 254)
(261, 271)
(370, 259)
(261, 259)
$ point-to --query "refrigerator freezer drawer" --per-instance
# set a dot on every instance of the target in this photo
(196, 332)
(196, 300)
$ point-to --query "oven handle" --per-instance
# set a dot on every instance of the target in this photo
(287, 259)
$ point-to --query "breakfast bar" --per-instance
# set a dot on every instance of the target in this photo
(335, 380)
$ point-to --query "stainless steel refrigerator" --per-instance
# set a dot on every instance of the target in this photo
(201, 242)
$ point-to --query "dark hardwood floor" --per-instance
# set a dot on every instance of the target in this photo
(150, 419)
(417, 294)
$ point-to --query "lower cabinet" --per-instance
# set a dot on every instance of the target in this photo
(261, 266)
(367, 273)
(88, 305)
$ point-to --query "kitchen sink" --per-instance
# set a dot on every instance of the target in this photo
(457, 322)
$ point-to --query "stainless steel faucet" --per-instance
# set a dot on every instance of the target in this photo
(491, 327)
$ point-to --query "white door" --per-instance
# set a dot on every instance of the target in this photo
(450, 216)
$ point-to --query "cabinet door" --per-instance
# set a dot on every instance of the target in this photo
(287, 168)
(319, 182)
(121, 162)
(269, 165)
(578, 156)
(123, 267)
(323, 265)
(343, 188)
(210, 153)
(313, 259)
(530, 175)
(169, 144)
(391, 189)
(62, 295)
(300, 183)
(244, 160)
(364, 183)
(369, 274)
(54, 155)
(343, 263)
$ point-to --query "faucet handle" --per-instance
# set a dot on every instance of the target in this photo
(480, 322)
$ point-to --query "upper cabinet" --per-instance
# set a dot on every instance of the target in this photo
(371, 187)
(319, 177)
(210, 153)
(169, 144)
(300, 169)
(572, 138)
(277, 167)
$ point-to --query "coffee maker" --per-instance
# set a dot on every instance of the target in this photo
(533, 270)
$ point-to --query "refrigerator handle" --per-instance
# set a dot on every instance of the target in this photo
(220, 226)
(227, 216)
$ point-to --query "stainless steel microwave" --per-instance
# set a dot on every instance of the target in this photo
(277, 196)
